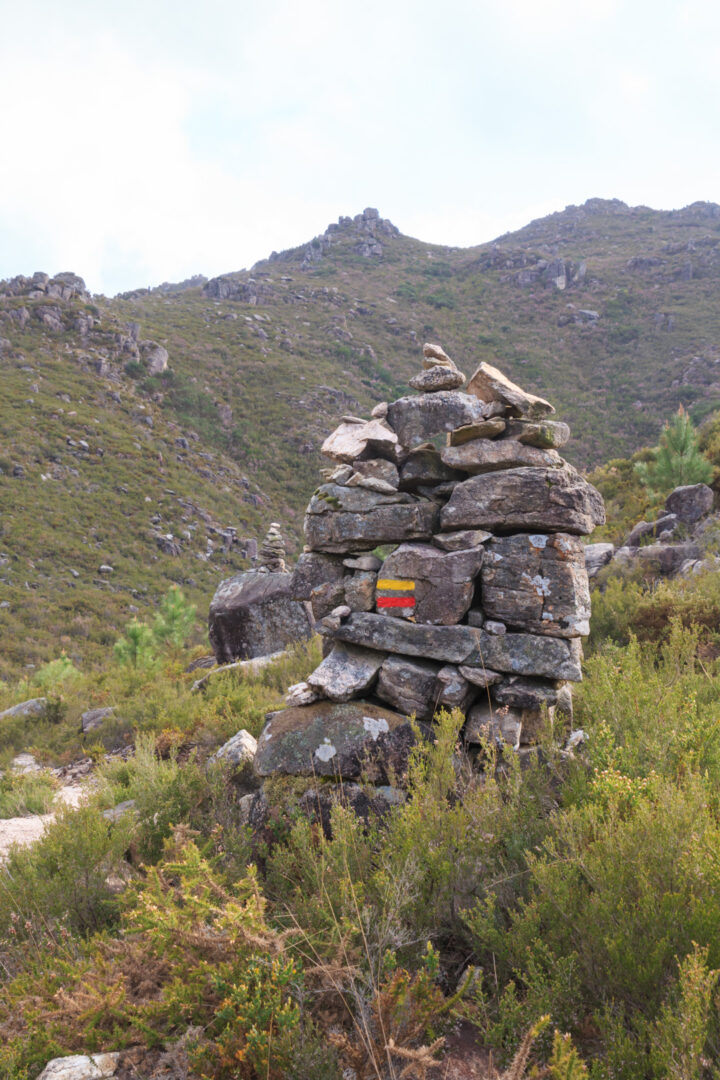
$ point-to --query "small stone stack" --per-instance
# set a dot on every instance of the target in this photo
(444, 561)
(272, 551)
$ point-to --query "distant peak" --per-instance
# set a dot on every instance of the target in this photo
(364, 235)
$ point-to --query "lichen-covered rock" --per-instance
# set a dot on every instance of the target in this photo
(34, 707)
(526, 693)
(537, 582)
(528, 654)
(690, 502)
(313, 569)
(454, 690)
(489, 384)
(360, 590)
(81, 1067)
(489, 455)
(348, 741)
(342, 519)
(549, 500)
(597, 556)
(348, 671)
(436, 586)
(410, 686)
(437, 378)
(485, 429)
(458, 541)
(486, 723)
(417, 419)
(253, 614)
(424, 467)
(545, 434)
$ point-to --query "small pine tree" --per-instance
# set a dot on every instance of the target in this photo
(678, 459)
(137, 648)
(175, 620)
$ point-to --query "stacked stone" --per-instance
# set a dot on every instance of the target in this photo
(272, 551)
(482, 604)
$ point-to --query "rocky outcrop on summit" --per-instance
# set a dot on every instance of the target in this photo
(64, 286)
(483, 601)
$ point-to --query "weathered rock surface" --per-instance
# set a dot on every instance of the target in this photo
(417, 419)
(443, 582)
(93, 718)
(33, 707)
(410, 686)
(525, 693)
(537, 582)
(253, 614)
(663, 560)
(313, 569)
(239, 750)
(81, 1067)
(549, 500)
(328, 739)
(487, 723)
(341, 519)
(642, 529)
(690, 502)
(454, 690)
(458, 541)
(545, 434)
(376, 469)
(350, 441)
(424, 466)
(516, 654)
(480, 677)
(597, 556)
(486, 429)
(346, 672)
(489, 455)
(437, 378)
(435, 356)
(489, 384)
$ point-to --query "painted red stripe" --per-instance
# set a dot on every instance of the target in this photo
(395, 601)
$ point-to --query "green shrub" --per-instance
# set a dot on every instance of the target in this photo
(26, 793)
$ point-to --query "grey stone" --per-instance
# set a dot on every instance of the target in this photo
(443, 581)
(435, 356)
(416, 419)
(537, 582)
(476, 617)
(486, 723)
(342, 520)
(664, 559)
(239, 751)
(324, 598)
(643, 529)
(437, 378)
(454, 690)
(597, 556)
(313, 569)
(253, 614)
(346, 672)
(360, 590)
(351, 440)
(489, 384)
(486, 429)
(458, 541)
(690, 502)
(552, 500)
(494, 627)
(515, 654)
(347, 740)
(363, 562)
(478, 676)
(93, 718)
(410, 686)
(545, 434)
(81, 1067)
(301, 694)
(33, 707)
(377, 469)
(424, 467)
(489, 455)
(525, 693)
(115, 813)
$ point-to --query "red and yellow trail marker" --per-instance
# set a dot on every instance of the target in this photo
(395, 585)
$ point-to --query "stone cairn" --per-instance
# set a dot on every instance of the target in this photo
(481, 599)
(272, 551)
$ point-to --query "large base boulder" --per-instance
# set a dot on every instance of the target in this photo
(253, 614)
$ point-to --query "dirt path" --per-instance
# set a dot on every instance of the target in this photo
(26, 830)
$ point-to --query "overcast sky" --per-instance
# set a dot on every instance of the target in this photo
(145, 140)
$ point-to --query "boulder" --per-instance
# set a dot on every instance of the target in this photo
(81, 1067)
(597, 556)
(537, 582)
(341, 520)
(549, 500)
(417, 419)
(430, 585)
(489, 384)
(239, 750)
(489, 455)
(410, 686)
(528, 654)
(545, 434)
(664, 559)
(253, 614)
(350, 441)
(348, 671)
(348, 741)
(33, 707)
(93, 718)
(643, 529)
(690, 502)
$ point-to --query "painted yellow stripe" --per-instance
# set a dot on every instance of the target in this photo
(392, 583)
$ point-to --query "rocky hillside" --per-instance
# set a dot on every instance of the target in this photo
(157, 432)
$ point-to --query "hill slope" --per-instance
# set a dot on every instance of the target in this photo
(113, 456)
